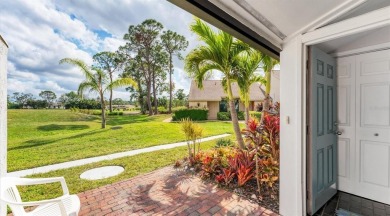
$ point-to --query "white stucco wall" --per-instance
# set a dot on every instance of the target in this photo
(198, 104)
(3, 114)
(275, 86)
(291, 95)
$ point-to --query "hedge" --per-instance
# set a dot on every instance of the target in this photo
(255, 114)
(162, 110)
(226, 116)
(193, 114)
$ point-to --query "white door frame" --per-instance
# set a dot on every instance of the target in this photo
(293, 100)
(3, 114)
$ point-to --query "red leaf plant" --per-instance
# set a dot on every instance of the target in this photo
(227, 176)
(244, 174)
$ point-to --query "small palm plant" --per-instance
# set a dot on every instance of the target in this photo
(246, 65)
(96, 80)
(193, 133)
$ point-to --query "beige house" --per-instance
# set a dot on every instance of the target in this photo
(213, 97)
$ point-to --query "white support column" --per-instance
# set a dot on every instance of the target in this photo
(292, 119)
(3, 115)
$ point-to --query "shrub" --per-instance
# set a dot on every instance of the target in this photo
(255, 114)
(178, 108)
(192, 114)
(193, 133)
(226, 116)
(223, 116)
(226, 176)
(96, 112)
(241, 115)
(265, 141)
(162, 110)
(224, 143)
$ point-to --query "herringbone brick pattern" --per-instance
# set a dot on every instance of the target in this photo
(165, 192)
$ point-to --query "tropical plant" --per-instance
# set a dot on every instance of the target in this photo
(173, 43)
(226, 176)
(193, 132)
(218, 52)
(224, 143)
(109, 62)
(268, 63)
(246, 65)
(96, 80)
(263, 138)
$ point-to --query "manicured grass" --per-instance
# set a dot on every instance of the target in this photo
(42, 137)
(134, 165)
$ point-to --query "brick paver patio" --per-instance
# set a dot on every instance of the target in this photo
(165, 192)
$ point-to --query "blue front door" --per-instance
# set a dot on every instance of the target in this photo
(322, 127)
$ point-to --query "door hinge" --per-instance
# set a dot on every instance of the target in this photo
(307, 130)
(307, 64)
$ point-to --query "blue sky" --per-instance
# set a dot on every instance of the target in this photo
(41, 32)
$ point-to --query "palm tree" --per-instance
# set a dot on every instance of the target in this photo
(96, 80)
(246, 65)
(268, 64)
(218, 53)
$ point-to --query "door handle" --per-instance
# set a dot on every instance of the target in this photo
(338, 133)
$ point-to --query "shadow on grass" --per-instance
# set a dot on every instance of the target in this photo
(55, 127)
(41, 142)
(129, 119)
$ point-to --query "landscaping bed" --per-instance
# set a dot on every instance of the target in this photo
(251, 171)
(266, 198)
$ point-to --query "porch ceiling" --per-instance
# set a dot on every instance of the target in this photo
(280, 20)
(288, 16)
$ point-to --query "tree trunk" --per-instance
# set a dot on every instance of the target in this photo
(148, 100)
(267, 91)
(170, 83)
(155, 98)
(154, 93)
(233, 112)
(103, 111)
(247, 115)
(111, 94)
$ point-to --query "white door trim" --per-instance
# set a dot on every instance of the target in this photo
(363, 50)
(369, 21)
(327, 17)
(372, 20)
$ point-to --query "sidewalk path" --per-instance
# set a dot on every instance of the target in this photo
(80, 162)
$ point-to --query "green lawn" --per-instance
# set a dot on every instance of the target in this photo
(42, 137)
(134, 165)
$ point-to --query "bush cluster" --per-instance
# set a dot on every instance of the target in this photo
(162, 110)
(224, 143)
(255, 114)
(226, 116)
(258, 163)
(192, 114)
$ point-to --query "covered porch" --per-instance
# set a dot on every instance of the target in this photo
(355, 35)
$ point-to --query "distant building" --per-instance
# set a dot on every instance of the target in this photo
(213, 97)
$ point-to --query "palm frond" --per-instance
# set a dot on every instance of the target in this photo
(87, 85)
(80, 64)
(122, 82)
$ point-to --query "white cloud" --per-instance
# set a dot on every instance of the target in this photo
(41, 32)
